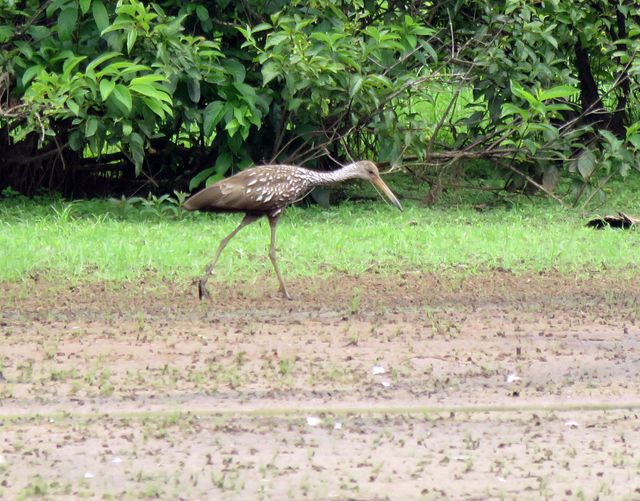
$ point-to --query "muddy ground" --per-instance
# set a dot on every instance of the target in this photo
(416, 386)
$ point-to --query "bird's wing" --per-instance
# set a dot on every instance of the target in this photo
(256, 189)
(228, 194)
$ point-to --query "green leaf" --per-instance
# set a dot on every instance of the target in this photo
(202, 13)
(120, 68)
(294, 104)
(276, 38)
(24, 48)
(101, 59)
(100, 15)
(193, 87)
(223, 163)
(73, 106)
(235, 69)
(90, 126)
(131, 40)
(475, 118)
(269, 72)
(532, 146)
(212, 115)
(557, 92)
(356, 84)
(261, 27)
(151, 91)
(512, 109)
(136, 146)
(200, 177)
(586, 163)
(610, 137)
(6, 33)
(123, 96)
(71, 63)
(67, 22)
(559, 107)
(84, 6)
(232, 127)
(518, 91)
(379, 81)
(155, 106)
(634, 139)
(431, 51)
(76, 141)
(106, 88)
(37, 33)
(550, 177)
(150, 78)
(549, 38)
(30, 73)
(118, 25)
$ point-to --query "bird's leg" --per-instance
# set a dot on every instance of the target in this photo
(273, 222)
(202, 290)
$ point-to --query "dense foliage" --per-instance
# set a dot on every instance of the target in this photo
(108, 96)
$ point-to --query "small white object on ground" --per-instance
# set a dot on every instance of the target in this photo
(386, 383)
(116, 460)
(313, 420)
(571, 423)
(337, 426)
(88, 475)
(513, 378)
(377, 370)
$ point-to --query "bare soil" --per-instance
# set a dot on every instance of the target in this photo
(415, 386)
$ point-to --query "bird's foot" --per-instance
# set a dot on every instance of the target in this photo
(202, 289)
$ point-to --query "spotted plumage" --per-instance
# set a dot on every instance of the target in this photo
(266, 191)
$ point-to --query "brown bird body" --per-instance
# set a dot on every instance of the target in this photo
(266, 191)
(262, 189)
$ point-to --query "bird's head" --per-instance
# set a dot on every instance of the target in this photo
(365, 169)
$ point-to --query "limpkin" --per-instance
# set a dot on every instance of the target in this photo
(265, 191)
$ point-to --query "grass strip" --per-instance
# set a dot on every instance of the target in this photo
(88, 240)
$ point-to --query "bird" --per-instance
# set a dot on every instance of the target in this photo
(265, 191)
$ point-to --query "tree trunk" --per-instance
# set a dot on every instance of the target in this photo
(592, 108)
(591, 103)
(619, 118)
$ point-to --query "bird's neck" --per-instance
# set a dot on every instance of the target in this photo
(326, 178)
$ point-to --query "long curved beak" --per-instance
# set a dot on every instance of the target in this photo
(380, 184)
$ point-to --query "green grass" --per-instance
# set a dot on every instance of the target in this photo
(95, 241)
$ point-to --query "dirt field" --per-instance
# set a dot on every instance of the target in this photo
(409, 387)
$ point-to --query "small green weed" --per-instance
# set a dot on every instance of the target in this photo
(356, 301)
(287, 366)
